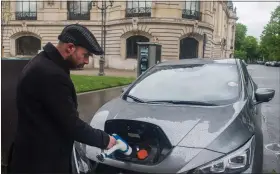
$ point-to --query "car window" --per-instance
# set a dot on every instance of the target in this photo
(249, 84)
(215, 83)
(250, 88)
(245, 72)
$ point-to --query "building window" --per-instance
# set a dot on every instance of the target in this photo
(78, 10)
(138, 8)
(191, 10)
(26, 10)
(132, 46)
(27, 45)
(188, 48)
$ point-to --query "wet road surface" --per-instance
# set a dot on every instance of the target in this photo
(90, 102)
(269, 77)
(264, 76)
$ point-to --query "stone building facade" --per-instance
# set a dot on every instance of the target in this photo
(184, 29)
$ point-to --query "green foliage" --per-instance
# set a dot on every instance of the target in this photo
(240, 35)
(91, 83)
(240, 54)
(250, 46)
(270, 39)
(246, 47)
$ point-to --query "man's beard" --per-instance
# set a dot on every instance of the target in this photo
(71, 62)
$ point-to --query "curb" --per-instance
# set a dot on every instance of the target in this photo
(82, 93)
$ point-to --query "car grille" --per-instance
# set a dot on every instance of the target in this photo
(105, 169)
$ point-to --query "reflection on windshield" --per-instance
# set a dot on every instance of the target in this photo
(212, 83)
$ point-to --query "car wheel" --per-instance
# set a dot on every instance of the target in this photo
(258, 157)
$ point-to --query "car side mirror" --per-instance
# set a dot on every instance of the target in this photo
(264, 95)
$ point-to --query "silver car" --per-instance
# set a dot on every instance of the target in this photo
(191, 116)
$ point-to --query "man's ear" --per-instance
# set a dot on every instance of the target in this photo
(70, 48)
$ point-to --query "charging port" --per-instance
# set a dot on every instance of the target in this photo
(144, 138)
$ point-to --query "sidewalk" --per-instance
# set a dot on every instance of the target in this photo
(108, 72)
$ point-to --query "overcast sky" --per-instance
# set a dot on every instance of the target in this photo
(255, 14)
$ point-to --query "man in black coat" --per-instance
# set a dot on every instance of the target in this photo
(48, 121)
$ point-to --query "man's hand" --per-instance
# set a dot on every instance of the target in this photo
(112, 142)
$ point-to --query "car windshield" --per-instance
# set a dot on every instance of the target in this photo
(210, 83)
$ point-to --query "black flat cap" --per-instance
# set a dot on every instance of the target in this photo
(80, 36)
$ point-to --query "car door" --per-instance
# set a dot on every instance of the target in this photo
(255, 113)
(248, 83)
(250, 89)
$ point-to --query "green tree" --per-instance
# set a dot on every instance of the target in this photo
(250, 46)
(240, 35)
(240, 54)
(264, 49)
(270, 39)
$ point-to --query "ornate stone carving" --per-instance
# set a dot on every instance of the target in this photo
(6, 14)
(223, 43)
(155, 39)
(135, 24)
(195, 26)
(50, 3)
(192, 34)
(24, 26)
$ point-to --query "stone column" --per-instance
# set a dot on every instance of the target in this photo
(40, 10)
(220, 19)
(233, 35)
(216, 17)
(224, 35)
(229, 35)
(13, 7)
(208, 17)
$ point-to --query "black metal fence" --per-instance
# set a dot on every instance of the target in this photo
(26, 10)
(26, 15)
(78, 16)
(138, 12)
(10, 70)
(191, 14)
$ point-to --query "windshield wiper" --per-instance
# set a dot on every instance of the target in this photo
(182, 102)
(135, 98)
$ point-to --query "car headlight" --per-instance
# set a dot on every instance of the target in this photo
(235, 162)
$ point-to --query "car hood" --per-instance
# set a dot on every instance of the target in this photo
(185, 125)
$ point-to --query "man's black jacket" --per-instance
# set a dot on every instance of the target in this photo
(48, 122)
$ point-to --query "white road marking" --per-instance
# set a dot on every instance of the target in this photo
(259, 77)
(274, 147)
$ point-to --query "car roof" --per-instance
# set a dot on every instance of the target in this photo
(198, 61)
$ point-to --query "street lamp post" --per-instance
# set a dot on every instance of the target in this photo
(103, 8)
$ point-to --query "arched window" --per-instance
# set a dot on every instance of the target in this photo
(131, 45)
(27, 45)
(188, 48)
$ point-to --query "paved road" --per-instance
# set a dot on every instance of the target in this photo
(269, 77)
(263, 76)
(90, 102)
